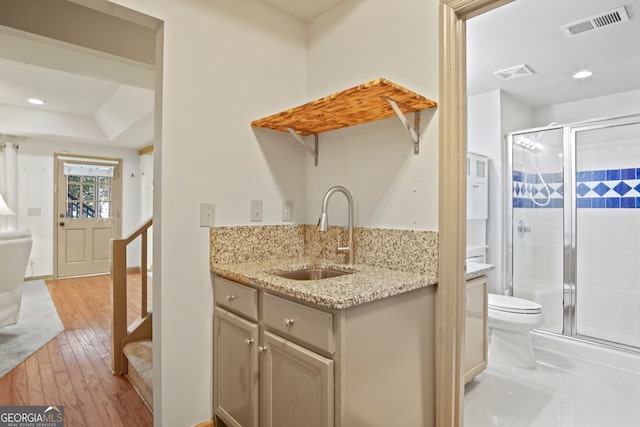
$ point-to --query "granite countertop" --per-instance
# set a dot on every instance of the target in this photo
(476, 269)
(366, 284)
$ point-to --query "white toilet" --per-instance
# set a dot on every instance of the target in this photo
(510, 320)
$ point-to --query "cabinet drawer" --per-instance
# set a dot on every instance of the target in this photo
(238, 298)
(307, 324)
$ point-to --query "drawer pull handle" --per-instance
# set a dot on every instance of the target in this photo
(262, 349)
(248, 341)
(230, 298)
(289, 322)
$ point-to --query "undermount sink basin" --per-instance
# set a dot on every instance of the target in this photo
(312, 273)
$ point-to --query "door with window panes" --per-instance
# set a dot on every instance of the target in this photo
(87, 205)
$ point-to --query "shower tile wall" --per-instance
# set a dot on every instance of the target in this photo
(608, 188)
(608, 239)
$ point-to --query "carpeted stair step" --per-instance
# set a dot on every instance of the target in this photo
(139, 355)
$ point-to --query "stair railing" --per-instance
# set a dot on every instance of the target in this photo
(121, 332)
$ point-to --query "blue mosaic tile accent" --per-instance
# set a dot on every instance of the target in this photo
(622, 188)
(628, 173)
(613, 174)
(582, 189)
(596, 189)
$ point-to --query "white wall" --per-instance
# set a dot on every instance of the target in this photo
(356, 42)
(483, 137)
(146, 186)
(619, 104)
(146, 199)
(491, 116)
(35, 190)
(226, 63)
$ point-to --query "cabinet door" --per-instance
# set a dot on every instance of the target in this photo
(477, 190)
(475, 328)
(235, 369)
(297, 385)
(477, 200)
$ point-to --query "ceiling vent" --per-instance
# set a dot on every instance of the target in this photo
(595, 22)
(514, 72)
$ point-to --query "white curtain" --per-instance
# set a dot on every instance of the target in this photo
(8, 179)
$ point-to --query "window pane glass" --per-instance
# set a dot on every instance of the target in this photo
(73, 210)
(480, 173)
(104, 192)
(88, 192)
(73, 192)
(104, 210)
(104, 180)
(89, 179)
(89, 210)
(73, 178)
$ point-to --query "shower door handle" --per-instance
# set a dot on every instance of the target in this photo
(522, 229)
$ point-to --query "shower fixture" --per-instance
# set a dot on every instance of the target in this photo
(529, 143)
(522, 229)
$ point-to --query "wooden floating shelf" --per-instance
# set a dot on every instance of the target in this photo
(375, 100)
(360, 104)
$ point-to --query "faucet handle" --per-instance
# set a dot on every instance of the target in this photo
(342, 249)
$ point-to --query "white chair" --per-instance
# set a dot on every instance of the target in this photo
(15, 248)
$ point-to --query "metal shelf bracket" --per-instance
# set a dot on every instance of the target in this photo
(312, 151)
(413, 131)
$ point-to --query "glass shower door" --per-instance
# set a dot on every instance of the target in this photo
(536, 236)
(607, 232)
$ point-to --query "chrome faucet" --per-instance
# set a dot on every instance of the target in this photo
(323, 222)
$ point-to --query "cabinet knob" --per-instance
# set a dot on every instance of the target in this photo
(289, 322)
(262, 349)
(230, 298)
(248, 341)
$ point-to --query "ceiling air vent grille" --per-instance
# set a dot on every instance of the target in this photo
(595, 22)
(514, 72)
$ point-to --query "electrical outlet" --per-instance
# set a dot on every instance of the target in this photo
(207, 214)
(256, 210)
(287, 211)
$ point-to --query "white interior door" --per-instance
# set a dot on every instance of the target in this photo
(88, 203)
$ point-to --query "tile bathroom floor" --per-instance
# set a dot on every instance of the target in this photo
(590, 396)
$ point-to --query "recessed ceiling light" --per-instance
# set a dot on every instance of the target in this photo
(36, 101)
(582, 74)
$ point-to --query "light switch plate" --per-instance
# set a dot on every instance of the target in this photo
(256, 210)
(207, 214)
(287, 210)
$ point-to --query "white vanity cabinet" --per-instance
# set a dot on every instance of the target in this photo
(368, 364)
(477, 187)
(475, 330)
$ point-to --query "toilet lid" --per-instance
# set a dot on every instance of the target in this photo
(513, 304)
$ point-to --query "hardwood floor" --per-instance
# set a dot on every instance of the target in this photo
(74, 368)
